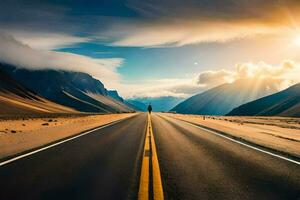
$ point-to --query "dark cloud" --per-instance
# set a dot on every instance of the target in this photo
(51, 20)
(76, 16)
(218, 9)
(33, 15)
(119, 20)
(68, 16)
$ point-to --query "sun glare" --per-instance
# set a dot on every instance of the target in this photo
(297, 40)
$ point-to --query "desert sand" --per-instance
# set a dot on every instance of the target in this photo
(19, 135)
(277, 133)
(12, 104)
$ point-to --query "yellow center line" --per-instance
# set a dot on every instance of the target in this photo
(144, 180)
(156, 177)
(158, 193)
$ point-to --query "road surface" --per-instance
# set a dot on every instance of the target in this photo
(100, 165)
(196, 164)
(107, 164)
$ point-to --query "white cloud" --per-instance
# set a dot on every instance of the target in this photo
(162, 87)
(184, 32)
(172, 23)
(281, 76)
(48, 41)
(262, 69)
(15, 53)
(216, 77)
(44, 41)
(248, 70)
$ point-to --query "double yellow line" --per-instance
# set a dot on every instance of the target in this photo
(150, 153)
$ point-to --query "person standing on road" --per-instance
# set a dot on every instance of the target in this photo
(149, 108)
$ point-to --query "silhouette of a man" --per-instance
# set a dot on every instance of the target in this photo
(149, 108)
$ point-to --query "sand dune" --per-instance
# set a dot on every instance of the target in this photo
(68, 88)
(16, 99)
(11, 104)
(110, 102)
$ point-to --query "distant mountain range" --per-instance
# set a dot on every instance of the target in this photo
(24, 91)
(137, 105)
(76, 90)
(222, 99)
(15, 99)
(159, 104)
(284, 103)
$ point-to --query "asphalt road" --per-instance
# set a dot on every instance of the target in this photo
(106, 164)
(102, 165)
(196, 164)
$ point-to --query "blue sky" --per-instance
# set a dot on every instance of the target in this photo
(154, 48)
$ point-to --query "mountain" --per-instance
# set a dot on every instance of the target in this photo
(16, 99)
(159, 104)
(137, 105)
(284, 103)
(76, 90)
(222, 99)
(115, 95)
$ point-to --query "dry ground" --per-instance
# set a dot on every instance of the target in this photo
(278, 133)
(11, 104)
(21, 134)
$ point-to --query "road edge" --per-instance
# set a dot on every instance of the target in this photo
(9, 159)
(293, 158)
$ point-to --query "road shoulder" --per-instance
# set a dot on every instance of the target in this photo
(263, 136)
(22, 135)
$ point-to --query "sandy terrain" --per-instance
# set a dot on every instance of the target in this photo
(110, 101)
(278, 133)
(11, 104)
(18, 135)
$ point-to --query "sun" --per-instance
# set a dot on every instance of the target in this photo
(297, 40)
